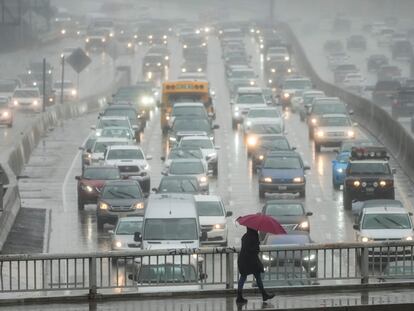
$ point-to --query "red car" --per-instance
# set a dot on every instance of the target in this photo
(91, 182)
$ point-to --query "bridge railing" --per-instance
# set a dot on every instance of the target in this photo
(206, 268)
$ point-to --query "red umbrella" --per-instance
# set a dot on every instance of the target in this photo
(261, 222)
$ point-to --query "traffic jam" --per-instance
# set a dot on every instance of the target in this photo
(257, 116)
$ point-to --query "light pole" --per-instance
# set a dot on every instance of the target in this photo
(63, 79)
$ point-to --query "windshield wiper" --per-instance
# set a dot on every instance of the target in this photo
(381, 223)
(115, 194)
(394, 222)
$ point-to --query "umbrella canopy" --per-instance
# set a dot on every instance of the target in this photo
(261, 222)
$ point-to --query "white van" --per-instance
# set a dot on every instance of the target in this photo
(170, 222)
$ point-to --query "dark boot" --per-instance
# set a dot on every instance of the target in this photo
(240, 298)
(267, 296)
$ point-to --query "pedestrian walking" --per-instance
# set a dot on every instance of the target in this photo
(249, 263)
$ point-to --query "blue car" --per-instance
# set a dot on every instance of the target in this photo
(339, 167)
(282, 172)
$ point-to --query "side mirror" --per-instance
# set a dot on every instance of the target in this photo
(231, 103)
(217, 147)
(356, 226)
(309, 214)
(149, 157)
(229, 213)
(137, 237)
(164, 173)
(306, 167)
(293, 148)
(81, 148)
(154, 190)
(130, 277)
(124, 177)
(111, 231)
(210, 173)
(216, 127)
(77, 177)
(162, 158)
(351, 112)
(89, 150)
(93, 127)
(210, 114)
(135, 127)
(204, 236)
(203, 276)
(410, 213)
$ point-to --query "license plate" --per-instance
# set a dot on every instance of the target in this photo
(370, 189)
(282, 187)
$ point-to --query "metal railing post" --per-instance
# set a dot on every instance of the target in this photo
(1, 194)
(364, 265)
(92, 278)
(229, 270)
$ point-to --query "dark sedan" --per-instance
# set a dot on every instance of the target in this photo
(179, 184)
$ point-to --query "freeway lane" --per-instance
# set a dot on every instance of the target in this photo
(72, 231)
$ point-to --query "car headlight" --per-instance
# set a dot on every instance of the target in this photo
(350, 134)
(158, 64)
(118, 244)
(29, 72)
(219, 226)
(172, 138)
(129, 45)
(261, 46)
(146, 100)
(261, 157)
(202, 179)
(167, 118)
(252, 141)
(103, 206)
(150, 37)
(211, 156)
(15, 102)
(35, 103)
(6, 114)
(298, 179)
(409, 238)
(204, 44)
(89, 156)
(34, 83)
(382, 183)
(268, 58)
(111, 34)
(63, 31)
(87, 40)
(184, 46)
(320, 134)
(310, 257)
(167, 57)
(340, 170)
(252, 82)
(357, 183)
(286, 95)
(304, 225)
(139, 205)
(145, 167)
(183, 69)
(248, 123)
(365, 239)
(211, 137)
(287, 58)
(314, 121)
(103, 40)
(267, 179)
(270, 81)
(266, 257)
(289, 70)
(236, 114)
(74, 92)
(273, 70)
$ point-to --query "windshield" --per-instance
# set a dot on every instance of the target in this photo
(266, 128)
(243, 74)
(130, 113)
(334, 121)
(189, 111)
(117, 133)
(212, 208)
(186, 168)
(185, 154)
(364, 167)
(167, 273)
(192, 125)
(263, 113)
(100, 147)
(290, 209)
(386, 221)
(273, 144)
(251, 99)
(26, 93)
(114, 123)
(130, 154)
(128, 227)
(182, 229)
(282, 163)
(101, 173)
(297, 84)
(121, 192)
(328, 108)
(172, 185)
(197, 143)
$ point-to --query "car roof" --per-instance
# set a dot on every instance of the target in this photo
(114, 118)
(384, 210)
(248, 89)
(281, 153)
(109, 139)
(123, 147)
(176, 205)
(200, 137)
(334, 115)
(188, 105)
(207, 198)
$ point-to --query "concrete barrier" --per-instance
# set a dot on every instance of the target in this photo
(13, 160)
(370, 116)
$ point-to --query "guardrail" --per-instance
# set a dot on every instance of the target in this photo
(371, 116)
(205, 268)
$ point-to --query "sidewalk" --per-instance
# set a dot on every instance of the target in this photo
(398, 300)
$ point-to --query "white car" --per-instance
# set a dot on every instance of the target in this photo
(278, 54)
(332, 130)
(212, 216)
(122, 237)
(207, 147)
(27, 99)
(183, 153)
(354, 82)
(269, 113)
(69, 90)
(246, 99)
(97, 152)
(190, 167)
(112, 121)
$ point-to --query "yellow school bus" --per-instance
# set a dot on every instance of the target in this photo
(183, 92)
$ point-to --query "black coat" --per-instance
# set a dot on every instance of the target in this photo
(248, 261)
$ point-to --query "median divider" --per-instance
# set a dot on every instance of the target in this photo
(372, 117)
(12, 160)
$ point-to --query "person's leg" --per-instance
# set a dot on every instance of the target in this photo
(259, 282)
(240, 285)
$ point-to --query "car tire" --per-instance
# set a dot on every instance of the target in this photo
(347, 201)
(215, 171)
(261, 194)
(302, 193)
(81, 204)
(317, 147)
(100, 224)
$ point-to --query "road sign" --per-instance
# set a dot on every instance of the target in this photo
(78, 60)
